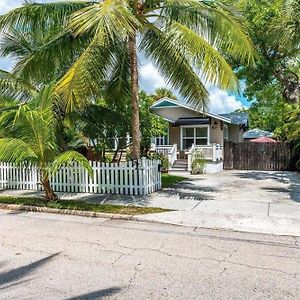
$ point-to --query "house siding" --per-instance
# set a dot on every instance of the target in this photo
(216, 132)
(174, 135)
(235, 135)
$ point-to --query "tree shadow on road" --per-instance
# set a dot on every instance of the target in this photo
(18, 275)
(97, 294)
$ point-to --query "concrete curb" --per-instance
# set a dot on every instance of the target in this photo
(15, 207)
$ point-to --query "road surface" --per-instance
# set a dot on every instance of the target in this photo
(44, 256)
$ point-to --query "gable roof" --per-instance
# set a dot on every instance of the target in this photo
(168, 102)
(257, 133)
(239, 118)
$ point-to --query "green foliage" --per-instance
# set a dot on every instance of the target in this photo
(277, 66)
(76, 205)
(30, 136)
(169, 180)
(151, 125)
(163, 159)
(182, 38)
(198, 162)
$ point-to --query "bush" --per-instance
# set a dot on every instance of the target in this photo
(163, 159)
(198, 162)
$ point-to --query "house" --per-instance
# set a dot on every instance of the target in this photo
(192, 129)
(256, 133)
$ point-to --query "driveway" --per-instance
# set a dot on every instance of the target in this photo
(267, 202)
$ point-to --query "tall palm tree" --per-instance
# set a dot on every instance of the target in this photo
(184, 38)
(28, 135)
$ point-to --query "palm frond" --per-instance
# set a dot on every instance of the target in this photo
(223, 26)
(85, 77)
(15, 88)
(113, 18)
(205, 57)
(119, 82)
(16, 151)
(69, 158)
(173, 62)
(41, 15)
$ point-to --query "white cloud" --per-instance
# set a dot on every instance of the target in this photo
(150, 78)
(222, 102)
(7, 5)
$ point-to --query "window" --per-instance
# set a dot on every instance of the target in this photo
(161, 140)
(194, 135)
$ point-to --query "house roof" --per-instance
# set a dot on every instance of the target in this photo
(239, 118)
(171, 103)
(263, 139)
(257, 133)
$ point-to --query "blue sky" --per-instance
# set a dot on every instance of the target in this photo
(220, 101)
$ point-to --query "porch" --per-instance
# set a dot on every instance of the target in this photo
(181, 160)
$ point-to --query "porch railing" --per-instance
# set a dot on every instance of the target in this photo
(170, 151)
(213, 153)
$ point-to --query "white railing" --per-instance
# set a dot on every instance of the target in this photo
(212, 152)
(165, 150)
(129, 178)
(169, 151)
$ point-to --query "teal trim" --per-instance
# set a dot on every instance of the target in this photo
(164, 104)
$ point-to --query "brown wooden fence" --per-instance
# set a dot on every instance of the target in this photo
(257, 156)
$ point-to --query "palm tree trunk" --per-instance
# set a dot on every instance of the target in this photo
(50, 195)
(135, 119)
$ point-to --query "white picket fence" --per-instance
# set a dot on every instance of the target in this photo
(129, 178)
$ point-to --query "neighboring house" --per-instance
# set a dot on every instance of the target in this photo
(191, 129)
(256, 133)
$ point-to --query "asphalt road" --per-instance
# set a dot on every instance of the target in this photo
(45, 256)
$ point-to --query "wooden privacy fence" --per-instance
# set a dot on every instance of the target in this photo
(129, 178)
(257, 156)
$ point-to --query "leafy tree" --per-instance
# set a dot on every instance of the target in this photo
(163, 92)
(151, 125)
(275, 31)
(29, 136)
(181, 37)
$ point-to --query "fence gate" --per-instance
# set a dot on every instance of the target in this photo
(257, 156)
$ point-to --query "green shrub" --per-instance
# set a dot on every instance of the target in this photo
(198, 162)
(163, 159)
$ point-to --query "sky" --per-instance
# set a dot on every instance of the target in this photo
(150, 78)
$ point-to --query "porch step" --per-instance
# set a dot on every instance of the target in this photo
(180, 165)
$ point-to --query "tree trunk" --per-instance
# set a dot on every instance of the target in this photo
(50, 195)
(135, 119)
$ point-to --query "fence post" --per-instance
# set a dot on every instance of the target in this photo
(214, 152)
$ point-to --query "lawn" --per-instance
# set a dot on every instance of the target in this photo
(81, 206)
(169, 180)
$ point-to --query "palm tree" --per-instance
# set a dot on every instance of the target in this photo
(163, 92)
(28, 135)
(184, 38)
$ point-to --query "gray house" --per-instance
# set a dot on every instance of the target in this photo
(191, 129)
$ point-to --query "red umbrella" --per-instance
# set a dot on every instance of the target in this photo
(263, 139)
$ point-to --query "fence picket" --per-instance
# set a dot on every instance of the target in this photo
(126, 178)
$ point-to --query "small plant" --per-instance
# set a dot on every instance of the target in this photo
(198, 162)
(163, 159)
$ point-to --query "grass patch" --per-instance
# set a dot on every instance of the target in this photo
(169, 180)
(81, 206)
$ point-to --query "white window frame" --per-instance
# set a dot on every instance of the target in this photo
(194, 126)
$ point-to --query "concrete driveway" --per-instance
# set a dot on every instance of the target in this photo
(252, 201)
